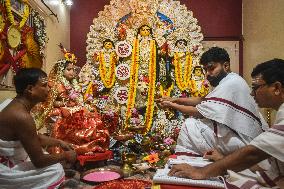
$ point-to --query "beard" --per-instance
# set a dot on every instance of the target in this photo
(215, 80)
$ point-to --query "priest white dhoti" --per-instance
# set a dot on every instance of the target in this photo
(17, 171)
(230, 120)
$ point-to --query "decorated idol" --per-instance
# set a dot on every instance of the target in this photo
(70, 119)
(156, 49)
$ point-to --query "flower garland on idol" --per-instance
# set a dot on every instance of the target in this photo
(151, 84)
(11, 16)
(166, 92)
(182, 80)
(198, 92)
(107, 76)
(40, 31)
(133, 79)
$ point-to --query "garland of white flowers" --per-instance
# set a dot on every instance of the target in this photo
(40, 31)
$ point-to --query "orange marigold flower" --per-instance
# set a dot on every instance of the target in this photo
(152, 158)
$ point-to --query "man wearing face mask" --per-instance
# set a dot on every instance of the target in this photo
(226, 119)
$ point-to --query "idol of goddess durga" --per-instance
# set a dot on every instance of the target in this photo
(143, 71)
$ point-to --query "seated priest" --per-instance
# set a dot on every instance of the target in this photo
(227, 118)
(268, 91)
(23, 163)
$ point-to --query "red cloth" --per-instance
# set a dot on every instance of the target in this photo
(124, 184)
(95, 157)
(167, 186)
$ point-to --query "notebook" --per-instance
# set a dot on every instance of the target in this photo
(193, 161)
(161, 177)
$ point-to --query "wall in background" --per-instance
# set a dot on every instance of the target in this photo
(218, 19)
(263, 32)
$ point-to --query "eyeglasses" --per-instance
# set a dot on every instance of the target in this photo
(255, 87)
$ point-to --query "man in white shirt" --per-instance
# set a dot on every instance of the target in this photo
(268, 91)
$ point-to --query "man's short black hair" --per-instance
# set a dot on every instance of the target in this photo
(27, 76)
(215, 54)
(271, 71)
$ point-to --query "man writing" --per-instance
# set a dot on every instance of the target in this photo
(226, 119)
(23, 164)
(268, 91)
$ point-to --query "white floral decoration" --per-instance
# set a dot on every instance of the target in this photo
(40, 31)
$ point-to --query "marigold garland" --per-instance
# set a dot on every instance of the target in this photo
(134, 81)
(151, 90)
(107, 76)
(166, 92)
(182, 80)
(11, 16)
(195, 92)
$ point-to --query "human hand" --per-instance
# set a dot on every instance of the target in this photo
(166, 104)
(214, 155)
(65, 146)
(187, 171)
(70, 156)
(164, 98)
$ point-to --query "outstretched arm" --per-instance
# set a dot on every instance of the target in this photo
(31, 142)
(47, 141)
(191, 101)
(188, 110)
(237, 161)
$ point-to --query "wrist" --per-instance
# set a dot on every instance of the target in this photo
(174, 100)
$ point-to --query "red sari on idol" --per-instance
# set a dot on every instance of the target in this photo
(77, 125)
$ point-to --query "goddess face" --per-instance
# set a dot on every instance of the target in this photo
(69, 72)
(145, 31)
(181, 43)
(108, 45)
(198, 72)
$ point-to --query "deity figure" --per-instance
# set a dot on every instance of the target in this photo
(182, 61)
(143, 71)
(73, 120)
(105, 61)
(198, 85)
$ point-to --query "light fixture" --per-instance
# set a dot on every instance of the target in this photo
(68, 2)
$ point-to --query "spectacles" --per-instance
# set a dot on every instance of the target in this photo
(255, 87)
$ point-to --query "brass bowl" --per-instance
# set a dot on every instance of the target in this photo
(129, 158)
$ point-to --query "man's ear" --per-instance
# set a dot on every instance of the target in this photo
(278, 88)
(29, 89)
(226, 66)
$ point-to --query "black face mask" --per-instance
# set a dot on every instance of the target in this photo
(215, 80)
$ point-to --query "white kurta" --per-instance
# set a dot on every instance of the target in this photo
(231, 119)
(271, 142)
(17, 171)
